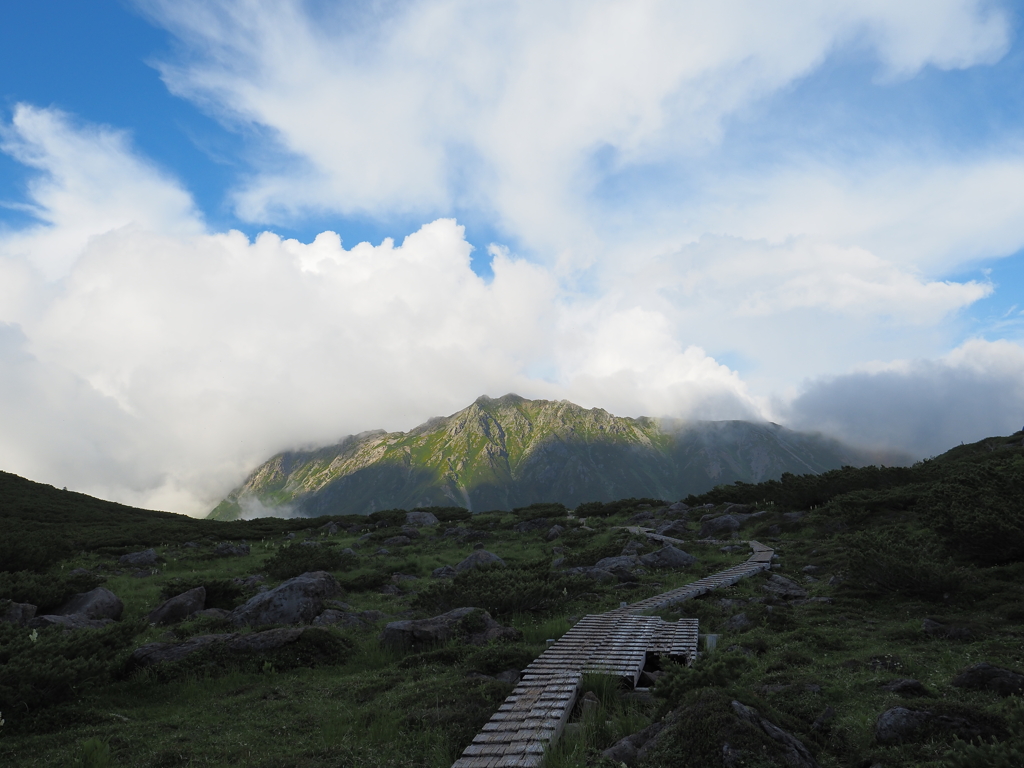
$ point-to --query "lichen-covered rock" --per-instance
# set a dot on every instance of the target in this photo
(98, 603)
(985, 677)
(143, 559)
(478, 558)
(554, 532)
(419, 518)
(298, 600)
(668, 557)
(179, 607)
(18, 613)
(780, 586)
(471, 624)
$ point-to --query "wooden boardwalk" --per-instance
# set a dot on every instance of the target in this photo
(614, 643)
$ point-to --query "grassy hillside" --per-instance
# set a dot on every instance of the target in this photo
(508, 452)
(921, 571)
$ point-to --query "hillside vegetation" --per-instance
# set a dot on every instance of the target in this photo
(890, 584)
(510, 452)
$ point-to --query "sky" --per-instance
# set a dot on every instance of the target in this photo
(233, 227)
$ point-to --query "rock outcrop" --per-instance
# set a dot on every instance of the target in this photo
(470, 624)
(179, 607)
(296, 601)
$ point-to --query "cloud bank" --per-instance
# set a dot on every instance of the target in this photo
(146, 358)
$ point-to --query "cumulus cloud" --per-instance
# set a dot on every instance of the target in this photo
(523, 108)
(922, 406)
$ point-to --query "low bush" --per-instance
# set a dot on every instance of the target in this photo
(501, 591)
(903, 561)
(448, 514)
(46, 591)
(387, 518)
(295, 559)
(716, 670)
(622, 506)
(364, 582)
(44, 667)
(537, 511)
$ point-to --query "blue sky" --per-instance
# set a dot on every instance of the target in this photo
(663, 208)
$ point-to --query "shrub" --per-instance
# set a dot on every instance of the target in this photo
(608, 508)
(45, 591)
(499, 657)
(296, 559)
(979, 511)
(35, 552)
(364, 582)
(537, 511)
(58, 664)
(717, 670)
(1008, 753)
(902, 561)
(499, 591)
(387, 518)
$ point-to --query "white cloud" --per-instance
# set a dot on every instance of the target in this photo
(89, 182)
(521, 109)
(922, 406)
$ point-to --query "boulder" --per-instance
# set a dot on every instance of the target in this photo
(71, 621)
(985, 677)
(444, 572)
(397, 541)
(793, 750)
(906, 687)
(478, 558)
(411, 531)
(793, 517)
(738, 623)
(298, 600)
(620, 566)
(211, 613)
(143, 559)
(674, 530)
(627, 750)
(180, 607)
(668, 557)
(98, 603)
(933, 628)
(254, 643)
(678, 507)
(330, 528)
(592, 572)
(639, 517)
(554, 532)
(419, 517)
(717, 526)
(528, 526)
(18, 613)
(227, 549)
(472, 624)
(780, 586)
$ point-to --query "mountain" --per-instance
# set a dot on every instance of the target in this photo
(508, 452)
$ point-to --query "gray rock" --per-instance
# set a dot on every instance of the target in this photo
(190, 545)
(668, 557)
(794, 752)
(453, 533)
(738, 623)
(254, 643)
(478, 558)
(248, 582)
(674, 530)
(417, 633)
(639, 517)
(618, 561)
(298, 600)
(906, 687)
(330, 528)
(348, 551)
(810, 569)
(529, 526)
(18, 613)
(678, 507)
(629, 749)
(793, 517)
(397, 541)
(418, 517)
(143, 559)
(444, 572)
(933, 628)
(822, 721)
(227, 549)
(179, 607)
(98, 603)
(554, 532)
(730, 548)
(70, 621)
(985, 677)
(899, 724)
(332, 617)
(716, 526)
(592, 572)
(390, 589)
(510, 676)
(780, 586)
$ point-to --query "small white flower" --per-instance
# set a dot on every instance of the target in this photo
(33, 635)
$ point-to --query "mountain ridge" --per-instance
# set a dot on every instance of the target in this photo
(499, 453)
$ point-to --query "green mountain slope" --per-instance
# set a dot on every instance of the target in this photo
(508, 452)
